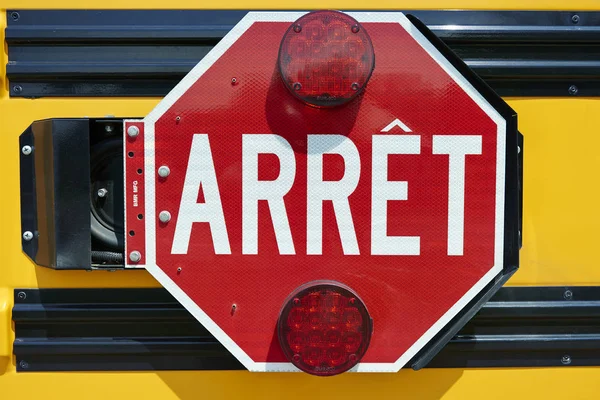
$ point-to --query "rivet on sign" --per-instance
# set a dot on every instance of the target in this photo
(355, 86)
(297, 28)
(233, 308)
(22, 295)
(177, 118)
(27, 235)
(23, 364)
(178, 269)
(15, 16)
(575, 18)
(573, 90)
(164, 216)
(568, 295)
(297, 86)
(164, 171)
(355, 28)
(566, 359)
(102, 192)
(133, 131)
(26, 150)
(17, 89)
(135, 256)
(234, 81)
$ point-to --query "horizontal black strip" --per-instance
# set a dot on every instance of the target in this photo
(145, 53)
(146, 329)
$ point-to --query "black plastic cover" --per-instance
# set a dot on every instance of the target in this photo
(55, 190)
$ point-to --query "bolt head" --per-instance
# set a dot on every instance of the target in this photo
(26, 150)
(164, 171)
(23, 364)
(566, 359)
(164, 216)
(575, 18)
(573, 89)
(135, 256)
(109, 128)
(102, 192)
(17, 89)
(22, 295)
(568, 295)
(133, 131)
(27, 235)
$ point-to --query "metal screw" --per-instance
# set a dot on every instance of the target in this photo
(164, 216)
(575, 18)
(108, 128)
(566, 359)
(297, 28)
(135, 256)
(22, 295)
(234, 81)
(568, 295)
(164, 171)
(233, 308)
(15, 16)
(355, 86)
(17, 89)
(27, 235)
(23, 364)
(297, 86)
(26, 150)
(573, 90)
(133, 131)
(178, 269)
(102, 192)
(355, 28)
(178, 118)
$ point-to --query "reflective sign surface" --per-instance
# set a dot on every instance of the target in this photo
(398, 194)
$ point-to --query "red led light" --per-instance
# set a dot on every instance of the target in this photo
(324, 328)
(326, 58)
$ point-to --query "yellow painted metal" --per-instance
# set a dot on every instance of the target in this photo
(561, 220)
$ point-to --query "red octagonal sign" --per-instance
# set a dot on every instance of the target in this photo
(246, 193)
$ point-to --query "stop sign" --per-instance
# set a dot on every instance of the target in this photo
(245, 193)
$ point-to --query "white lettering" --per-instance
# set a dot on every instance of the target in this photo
(384, 190)
(200, 172)
(273, 191)
(336, 191)
(457, 147)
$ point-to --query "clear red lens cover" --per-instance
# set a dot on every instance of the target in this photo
(324, 328)
(326, 58)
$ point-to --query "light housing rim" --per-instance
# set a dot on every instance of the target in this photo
(332, 104)
(314, 285)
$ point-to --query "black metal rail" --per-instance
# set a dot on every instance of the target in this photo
(145, 53)
(146, 329)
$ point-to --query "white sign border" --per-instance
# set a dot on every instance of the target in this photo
(199, 70)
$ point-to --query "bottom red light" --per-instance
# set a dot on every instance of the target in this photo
(324, 328)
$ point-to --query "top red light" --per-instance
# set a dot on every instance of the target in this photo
(326, 58)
